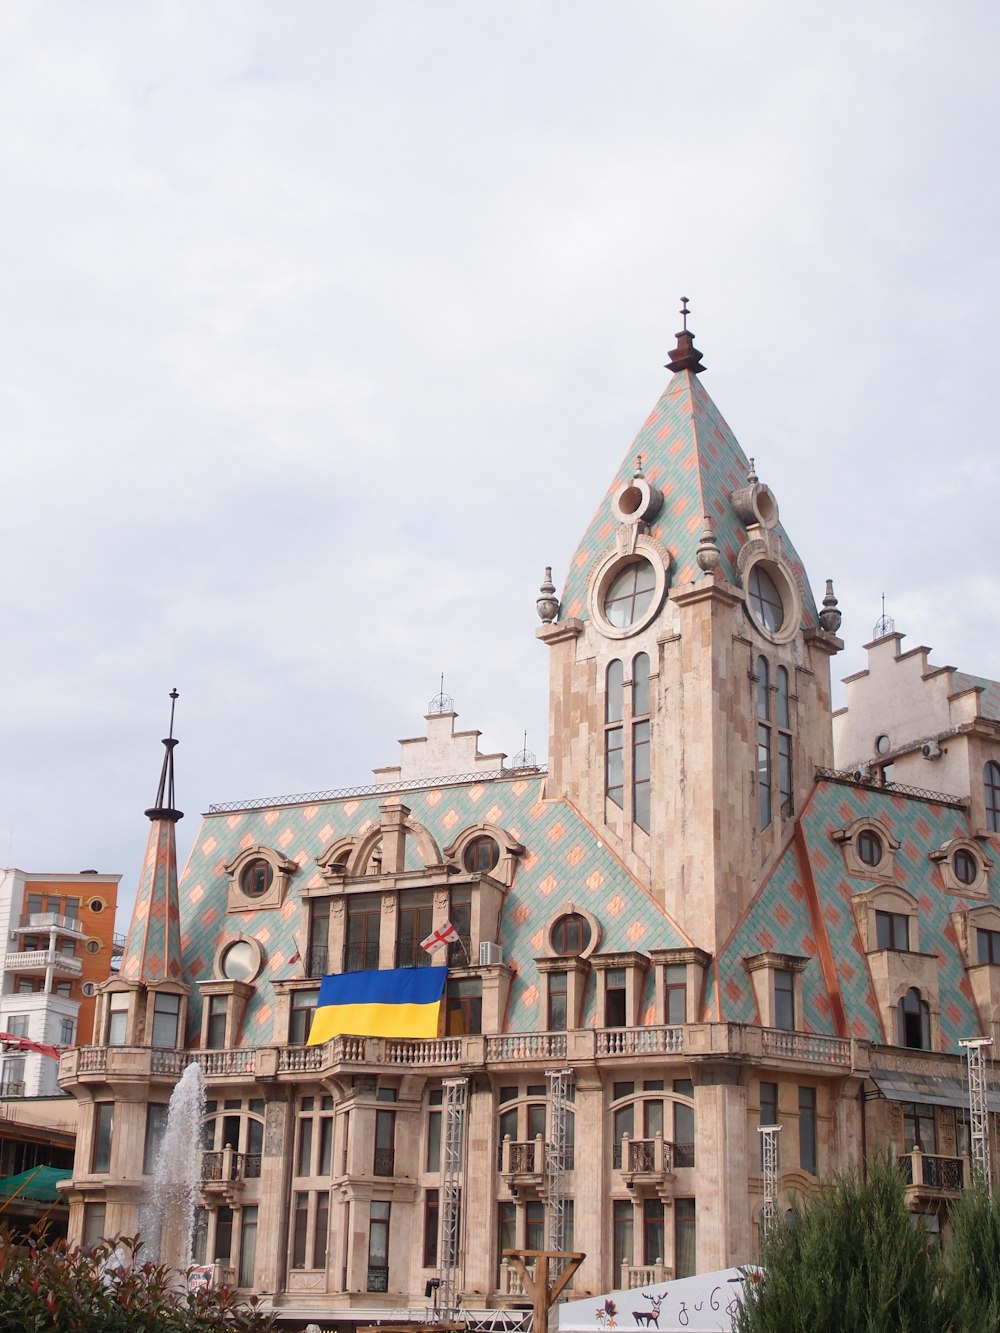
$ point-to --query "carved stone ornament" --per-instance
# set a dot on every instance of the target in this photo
(708, 554)
(274, 1129)
(548, 602)
(388, 904)
(441, 899)
(830, 617)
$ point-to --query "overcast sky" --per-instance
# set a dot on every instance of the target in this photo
(325, 325)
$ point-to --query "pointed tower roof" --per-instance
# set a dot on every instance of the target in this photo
(153, 949)
(691, 456)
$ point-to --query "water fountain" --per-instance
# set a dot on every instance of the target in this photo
(167, 1223)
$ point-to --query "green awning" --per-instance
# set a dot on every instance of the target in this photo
(39, 1183)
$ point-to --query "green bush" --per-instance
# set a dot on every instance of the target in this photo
(59, 1289)
(851, 1261)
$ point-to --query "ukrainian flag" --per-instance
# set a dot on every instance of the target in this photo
(405, 1002)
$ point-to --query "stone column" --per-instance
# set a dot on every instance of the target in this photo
(722, 1207)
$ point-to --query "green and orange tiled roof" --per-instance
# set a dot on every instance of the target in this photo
(689, 453)
(780, 918)
(563, 860)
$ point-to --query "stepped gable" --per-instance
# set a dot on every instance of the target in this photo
(690, 454)
(562, 860)
(779, 917)
(989, 697)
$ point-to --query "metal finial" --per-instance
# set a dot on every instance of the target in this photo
(163, 807)
(885, 625)
(684, 312)
(173, 696)
(441, 703)
(685, 355)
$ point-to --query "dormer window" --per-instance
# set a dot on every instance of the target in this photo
(570, 934)
(256, 877)
(892, 930)
(481, 855)
(963, 867)
(765, 600)
(869, 846)
(987, 946)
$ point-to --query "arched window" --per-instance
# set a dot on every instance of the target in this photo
(764, 741)
(640, 741)
(614, 740)
(784, 719)
(991, 785)
(914, 1021)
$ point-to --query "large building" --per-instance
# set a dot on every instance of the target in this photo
(694, 924)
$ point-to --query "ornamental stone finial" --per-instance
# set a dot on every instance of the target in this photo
(830, 617)
(548, 602)
(707, 553)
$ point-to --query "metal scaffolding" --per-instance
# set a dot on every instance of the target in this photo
(769, 1170)
(557, 1155)
(979, 1111)
(452, 1178)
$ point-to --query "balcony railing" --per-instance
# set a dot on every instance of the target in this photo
(385, 1162)
(510, 1282)
(39, 960)
(410, 954)
(12, 1087)
(378, 1278)
(923, 1170)
(526, 1158)
(805, 1046)
(644, 1275)
(69, 925)
(318, 961)
(517, 1047)
(360, 957)
(644, 1157)
(640, 1041)
(230, 1165)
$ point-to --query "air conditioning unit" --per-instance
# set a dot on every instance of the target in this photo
(931, 750)
(863, 774)
(14, 936)
(489, 953)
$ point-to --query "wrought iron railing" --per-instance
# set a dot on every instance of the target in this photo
(872, 783)
(378, 1278)
(360, 957)
(385, 1162)
(318, 961)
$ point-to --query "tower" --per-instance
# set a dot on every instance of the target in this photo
(689, 677)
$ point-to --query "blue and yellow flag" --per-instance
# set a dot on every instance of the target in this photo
(405, 1002)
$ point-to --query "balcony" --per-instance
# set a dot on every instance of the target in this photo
(643, 1275)
(458, 1055)
(647, 1165)
(12, 1087)
(930, 1178)
(510, 1283)
(385, 1162)
(522, 1165)
(40, 960)
(224, 1174)
(63, 925)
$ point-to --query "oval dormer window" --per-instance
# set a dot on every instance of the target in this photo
(629, 594)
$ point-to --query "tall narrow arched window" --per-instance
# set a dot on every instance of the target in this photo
(640, 741)
(914, 1021)
(763, 741)
(614, 739)
(786, 805)
(991, 790)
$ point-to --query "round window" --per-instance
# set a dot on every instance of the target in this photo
(766, 604)
(481, 855)
(965, 866)
(93, 946)
(629, 594)
(256, 876)
(96, 904)
(883, 745)
(570, 934)
(869, 847)
(239, 962)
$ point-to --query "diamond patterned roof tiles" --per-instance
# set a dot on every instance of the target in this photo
(692, 457)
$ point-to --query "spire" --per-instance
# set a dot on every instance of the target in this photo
(153, 948)
(685, 355)
(165, 791)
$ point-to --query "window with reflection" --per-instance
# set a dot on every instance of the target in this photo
(763, 742)
(991, 791)
(640, 742)
(914, 1021)
(614, 742)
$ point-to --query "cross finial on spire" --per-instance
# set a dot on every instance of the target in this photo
(685, 355)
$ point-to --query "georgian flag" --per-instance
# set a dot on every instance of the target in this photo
(437, 939)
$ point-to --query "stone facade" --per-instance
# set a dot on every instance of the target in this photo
(689, 926)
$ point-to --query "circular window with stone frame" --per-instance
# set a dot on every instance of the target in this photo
(240, 960)
(256, 877)
(628, 590)
(772, 600)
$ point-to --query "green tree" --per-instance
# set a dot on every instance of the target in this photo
(971, 1267)
(851, 1261)
(58, 1289)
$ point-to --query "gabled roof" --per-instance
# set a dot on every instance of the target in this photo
(689, 453)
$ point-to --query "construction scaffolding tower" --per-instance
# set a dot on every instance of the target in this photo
(979, 1111)
(452, 1179)
(557, 1156)
(769, 1170)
